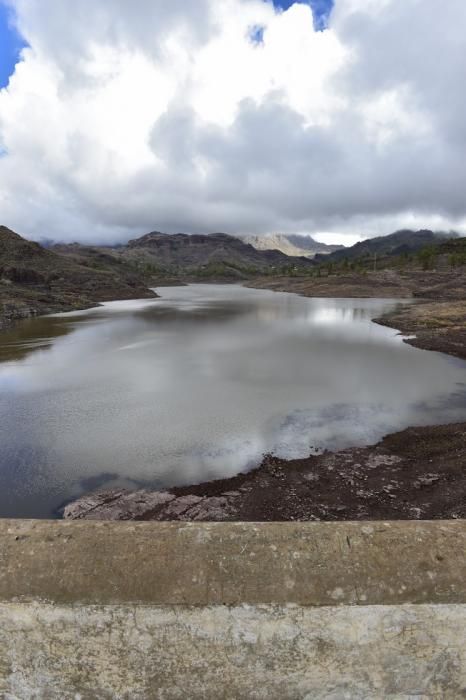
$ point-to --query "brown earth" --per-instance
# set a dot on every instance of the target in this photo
(415, 474)
(388, 284)
(438, 285)
(438, 325)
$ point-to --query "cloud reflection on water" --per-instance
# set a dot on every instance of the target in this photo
(199, 384)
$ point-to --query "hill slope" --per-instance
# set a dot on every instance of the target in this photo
(34, 280)
(405, 241)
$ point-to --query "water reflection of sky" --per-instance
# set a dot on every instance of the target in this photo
(199, 384)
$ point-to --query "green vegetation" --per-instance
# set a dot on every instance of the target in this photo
(457, 259)
(430, 257)
(427, 257)
(218, 269)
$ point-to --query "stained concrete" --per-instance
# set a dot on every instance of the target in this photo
(213, 611)
(232, 653)
(233, 563)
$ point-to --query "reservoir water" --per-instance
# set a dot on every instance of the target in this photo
(199, 384)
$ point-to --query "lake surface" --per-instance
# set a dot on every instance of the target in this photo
(198, 385)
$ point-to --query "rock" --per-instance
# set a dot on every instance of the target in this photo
(376, 461)
(179, 506)
(426, 480)
(153, 505)
(116, 505)
(214, 508)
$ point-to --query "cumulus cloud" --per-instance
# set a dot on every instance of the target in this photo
(176, 117)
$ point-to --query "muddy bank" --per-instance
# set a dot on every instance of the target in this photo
(384, 285)
(14, 310)
(434, 285)
(436, 325)
(415, 474)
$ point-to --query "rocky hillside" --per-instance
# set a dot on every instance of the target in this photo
(292, 245)
(203, 255)
(398, 243)
(34, 280)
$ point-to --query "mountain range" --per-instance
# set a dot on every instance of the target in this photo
(35, 279)
(292, 245)
(398, 243)
(215, 254)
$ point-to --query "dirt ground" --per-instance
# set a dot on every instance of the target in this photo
(437, 325)
(436, 285)
(418, 473)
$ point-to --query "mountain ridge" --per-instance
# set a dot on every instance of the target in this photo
(219, 253)
(397, 243)
(292, 245)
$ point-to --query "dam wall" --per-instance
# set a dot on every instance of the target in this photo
(191, 611)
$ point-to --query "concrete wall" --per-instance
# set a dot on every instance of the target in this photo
(232, 610)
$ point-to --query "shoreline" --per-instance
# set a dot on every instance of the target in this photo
(413, 474)
(436, 322)
(416, 474)
(13, 311)
(437, 326)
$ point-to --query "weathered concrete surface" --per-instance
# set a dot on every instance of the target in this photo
(232, 611)
(233, 563)
(239, 653)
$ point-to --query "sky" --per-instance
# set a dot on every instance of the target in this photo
(341, 119)
(11, 44)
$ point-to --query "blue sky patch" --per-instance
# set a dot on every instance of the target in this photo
(321, 9)
(11, 44)
(256, 34)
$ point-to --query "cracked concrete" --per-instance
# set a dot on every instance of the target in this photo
(232, 611)
(232, 653)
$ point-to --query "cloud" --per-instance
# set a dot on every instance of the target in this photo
(176, 117)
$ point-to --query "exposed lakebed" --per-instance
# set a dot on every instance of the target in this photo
(197, 385)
